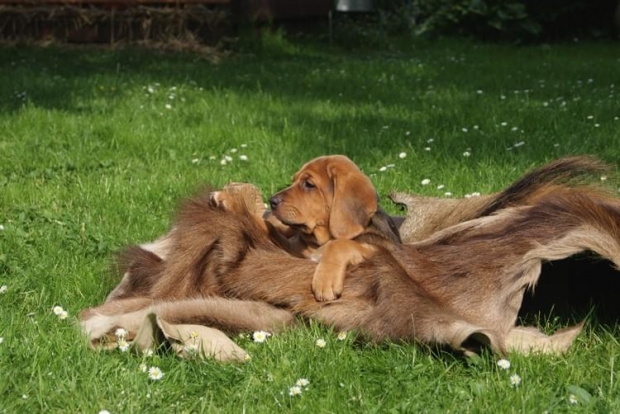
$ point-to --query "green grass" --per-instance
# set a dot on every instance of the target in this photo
(92, 161)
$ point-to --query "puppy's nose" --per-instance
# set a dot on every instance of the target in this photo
(274, 202)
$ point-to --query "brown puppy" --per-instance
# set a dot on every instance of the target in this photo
(330, 204)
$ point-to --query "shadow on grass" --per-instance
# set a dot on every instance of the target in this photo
(362, 104)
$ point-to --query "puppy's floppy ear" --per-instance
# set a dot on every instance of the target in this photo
(354, 201)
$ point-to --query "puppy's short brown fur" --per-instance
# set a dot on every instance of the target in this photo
(331, 204)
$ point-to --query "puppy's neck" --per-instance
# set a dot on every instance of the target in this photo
(321, 235)
(305, 244)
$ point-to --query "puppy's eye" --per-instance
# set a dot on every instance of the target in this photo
(308, 185)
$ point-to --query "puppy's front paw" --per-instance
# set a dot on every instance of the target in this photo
(327, 282)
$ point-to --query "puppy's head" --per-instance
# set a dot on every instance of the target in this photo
(330, 198)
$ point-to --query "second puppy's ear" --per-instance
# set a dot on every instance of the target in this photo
(354, 201)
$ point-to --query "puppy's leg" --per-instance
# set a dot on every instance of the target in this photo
(335, 256)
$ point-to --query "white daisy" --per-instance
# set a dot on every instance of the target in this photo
(447, 194)
(168, 106)
(123, 345)
(57, 310)
(466, 154)
(503, 363)
(342, 336)
(247, 357)
(382, 169)
(515, 380)
(143, 367)
(3, 288)
(243, 157)
(192, 349)
(1, 339)
(321, 343)
(155, 374)
(121, 333)
(302, 382)
(63, 315)
(260, 336)
(402, 155)
(425, 181)
(294, 391)
(572, 399)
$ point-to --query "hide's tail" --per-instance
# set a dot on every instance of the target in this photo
(577, 220)
(542, 180)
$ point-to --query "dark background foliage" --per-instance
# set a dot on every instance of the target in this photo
(522, 20)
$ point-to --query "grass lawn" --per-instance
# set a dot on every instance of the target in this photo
(98, 146)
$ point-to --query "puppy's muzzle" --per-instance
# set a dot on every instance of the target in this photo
(274, 202)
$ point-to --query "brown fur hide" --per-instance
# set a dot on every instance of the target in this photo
(460, 285)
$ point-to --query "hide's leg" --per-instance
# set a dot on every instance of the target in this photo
(527, 340)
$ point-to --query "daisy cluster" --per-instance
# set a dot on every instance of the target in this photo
(229, 156)
(169, 95)
(514, 379)
(154, 373)
(60, 312)
(121, 335)
(426, 181)
(300, 386)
